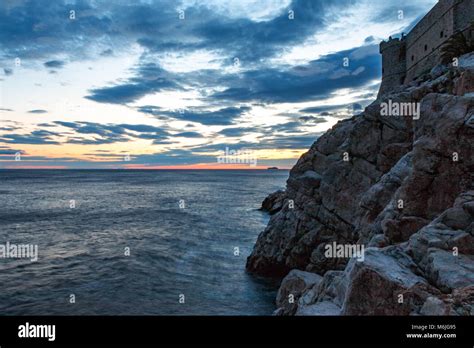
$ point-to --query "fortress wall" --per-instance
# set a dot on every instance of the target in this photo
(464, 17)
(427, 37)
(393, 64)
(463, 14)
(421, 48)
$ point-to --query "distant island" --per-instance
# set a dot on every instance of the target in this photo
(272, 168)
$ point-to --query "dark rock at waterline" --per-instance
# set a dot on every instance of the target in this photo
(274, 202)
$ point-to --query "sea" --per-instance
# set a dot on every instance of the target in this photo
(133, 242)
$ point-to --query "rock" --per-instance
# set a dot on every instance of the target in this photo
(291, 288)
(324, 308)
(400, 186)
(448, 271)
(308, 179)
(379, 241)
(434, 306)
(467, 61)
(381, 285)
(274, 202)
(438, 70)
(465, 83)
(444, 249)
(463, 301)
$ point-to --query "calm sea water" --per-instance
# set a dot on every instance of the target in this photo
(173, 251)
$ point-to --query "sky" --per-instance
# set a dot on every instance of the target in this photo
(188, 84)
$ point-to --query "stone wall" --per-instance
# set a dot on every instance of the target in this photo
(464, 16)
(422, 46)
(427, 37)
(393, 64)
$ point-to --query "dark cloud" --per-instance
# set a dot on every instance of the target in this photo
(288, 127)
(238, 131)
(390, 13)
(54, 64)
(34, 138)
(163, 142)
(37, 111)
(111, 133)
(6, 151)
(251, 41)
(151, 78)
(189, 135)
(44, 133)
(312, 119)
(323, 109)
(96, 141)
(144, 128)
(293, 142)
(8, 71)
(47, 29)
(370, 39)
(225, 116)
(107, 53)
(317, 81)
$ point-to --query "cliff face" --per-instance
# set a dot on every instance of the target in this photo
(400, 186)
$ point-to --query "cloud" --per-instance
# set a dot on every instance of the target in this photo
(288, 127)
(189, 135)
(6, 151)
(238, 131)
(312, 119)
(197, 55)
(55, 64)
(144, 128)
(107, 53)
(111, 133)
(293, 142)
(324, 109)
(151, 79)
(225, 116)
(34, 138)
(319, 81)
(96, 141)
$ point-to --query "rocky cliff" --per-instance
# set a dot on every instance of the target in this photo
(401, 187)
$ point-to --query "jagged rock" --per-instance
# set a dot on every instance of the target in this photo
(434, 306)
(467, 61)
(382, 285)
(448, 271)
(274, 202)
(463, 301)
(465, 83)
(291, 288)
(399, 185)
(324, 308)
(438, 70)
(378, 241)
